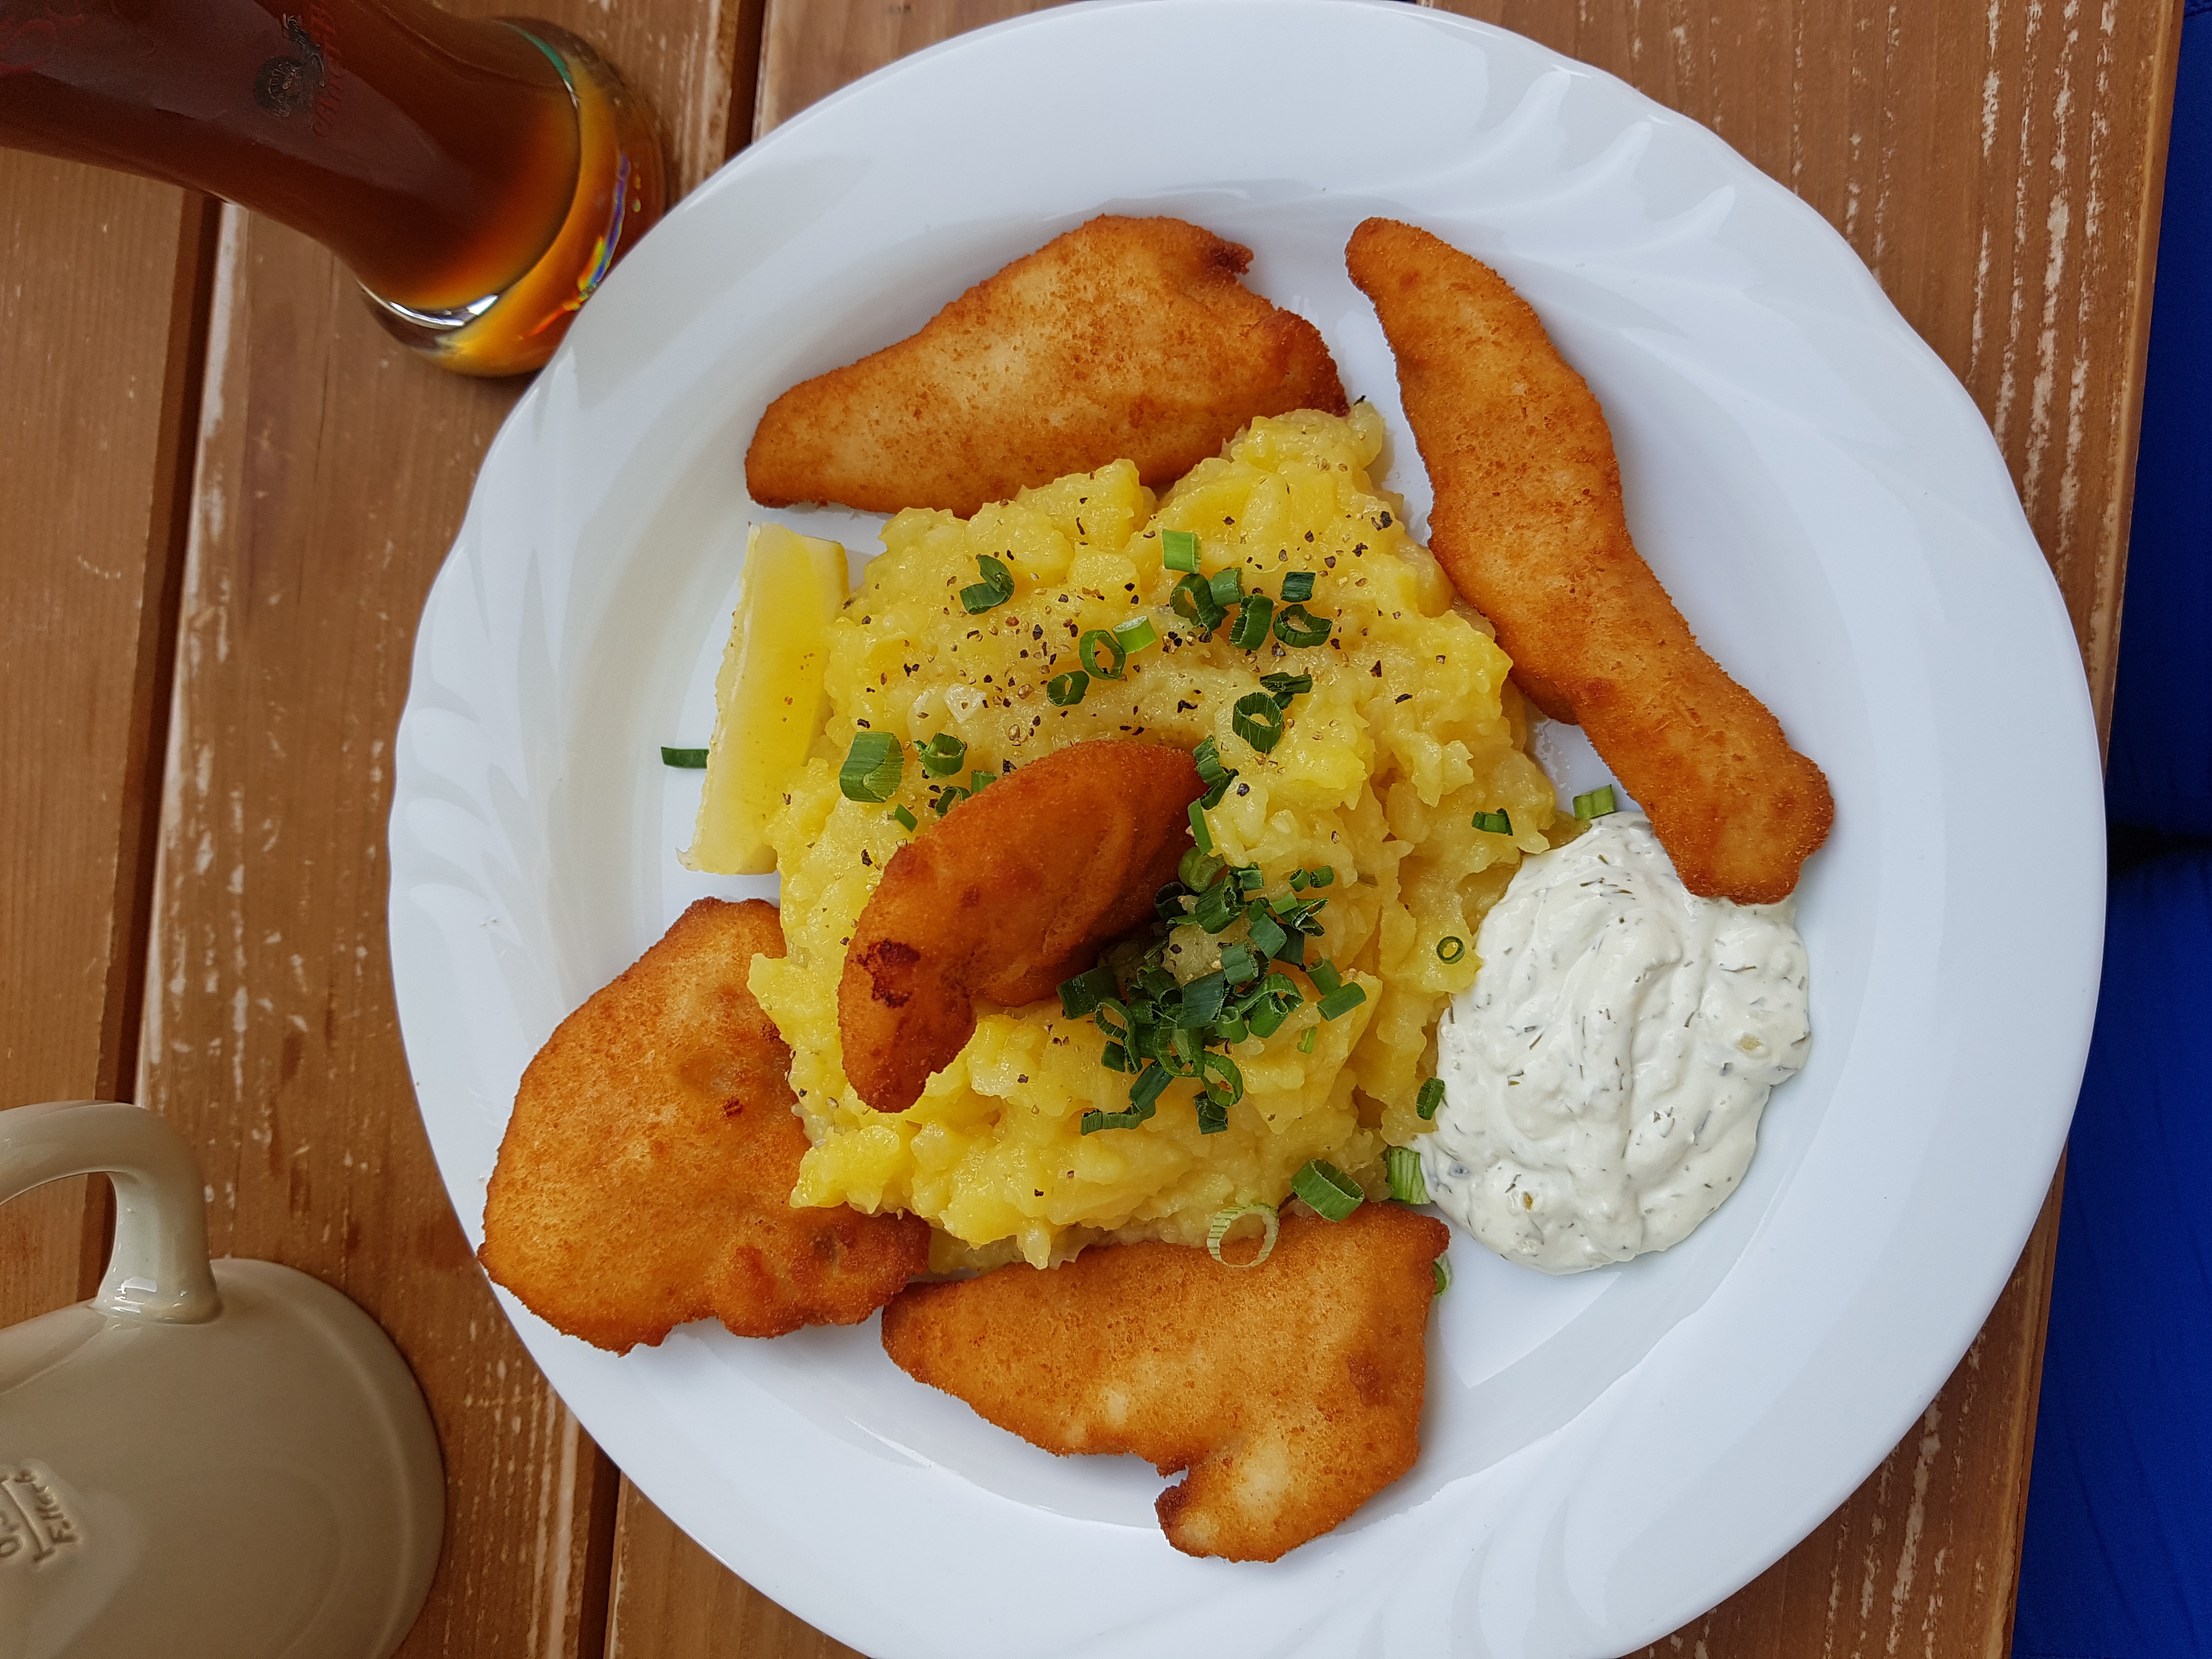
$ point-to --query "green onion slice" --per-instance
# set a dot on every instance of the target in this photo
(1306, 1039)
(1597, 804)
(1082, 995)
(693, 760)
(1218, 1233)
(947, 799)
(1450, 948)
(1402, 1165)
(906, 818)
(1431, 1097)
(1223, 1078)
(1213, 774)
(1296, 625)
(1193, 599)
(979, 780)
(873, 768)
(1496, 824)
(1267, 934)
(1065, 690)
(1332, 1194)
(942, 755)
(995, 589)
(1238, 964)
(1179, 549)
(1254, 616)
(1198, 869)
(1135, 634)
(1325, 976)
(1286, 686)
(1227, 586)
(1298, 585)
(1097, 640)
(1199, 832)
(1258, 721)
(1440, 1269)
(1342, 1000)
(1324, 875)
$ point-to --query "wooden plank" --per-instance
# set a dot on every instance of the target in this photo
(333, 468)
(1999, 170)
(100, 352)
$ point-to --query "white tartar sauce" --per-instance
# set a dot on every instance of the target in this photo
(1604, 1076)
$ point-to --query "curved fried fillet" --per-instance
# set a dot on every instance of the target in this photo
(1124, 338)
(1292, 1391)
(645, 1175)
(1010, 893)
(1528, 523)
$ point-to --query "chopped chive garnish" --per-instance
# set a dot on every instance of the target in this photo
(1227, 586)
(1193, 598)
(1249, 631)
(1197, 869)
(1146, 1089)
(692, 760)
(1135, 634)
(1249, 879)
(1218, 906)
(1238, 964)
(1082, 995)
(1090, 644)
(1402, 1166)
(1431, 1097)
(1496, 824)
(995, 589)
(1167, 903)
(1450, 948)
(1286, 686)
(1342, 1000)
(1298, 881)
(949, 798)
(1324, 874)
(1298, 585)
(1224, 1083)
(1267, 934)
(979, 780)
(1232, 1031)
(1065, 690)
(1218, 1232)
(1199, 832)
(873, 768)
(943, 755)
(1325, 976)
(907, 820)
(1296, 625)
(1597, 804)
(1440, 1270)
(1258, 721)
(1332, 1194)
(1212, 774)
(1306, 1039)
(1179, 549)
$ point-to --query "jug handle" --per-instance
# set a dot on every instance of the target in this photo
(159, 1268)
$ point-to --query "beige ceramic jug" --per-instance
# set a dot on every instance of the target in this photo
(225, 1461)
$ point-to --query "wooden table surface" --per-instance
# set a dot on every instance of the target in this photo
(223, 495)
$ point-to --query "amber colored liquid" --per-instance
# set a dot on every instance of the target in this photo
(437, 156)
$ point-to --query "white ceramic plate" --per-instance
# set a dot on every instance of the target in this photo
(1604, 1456)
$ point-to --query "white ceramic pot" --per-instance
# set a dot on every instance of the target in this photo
(227, 1460)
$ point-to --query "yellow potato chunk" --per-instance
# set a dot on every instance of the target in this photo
(767, 696)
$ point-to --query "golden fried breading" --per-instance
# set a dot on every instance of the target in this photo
(645, 1176)
(1123, 340)
(1529, 523)
(1010, 893)
(1292, 1391)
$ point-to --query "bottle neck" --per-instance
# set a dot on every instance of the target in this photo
(436, 156)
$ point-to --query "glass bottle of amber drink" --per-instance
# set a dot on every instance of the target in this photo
(480, 178)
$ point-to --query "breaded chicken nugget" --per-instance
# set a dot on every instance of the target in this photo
(1529, 523)
(1292, 1391)
(1124, 338)
(1010, 893)
(645, 1175)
